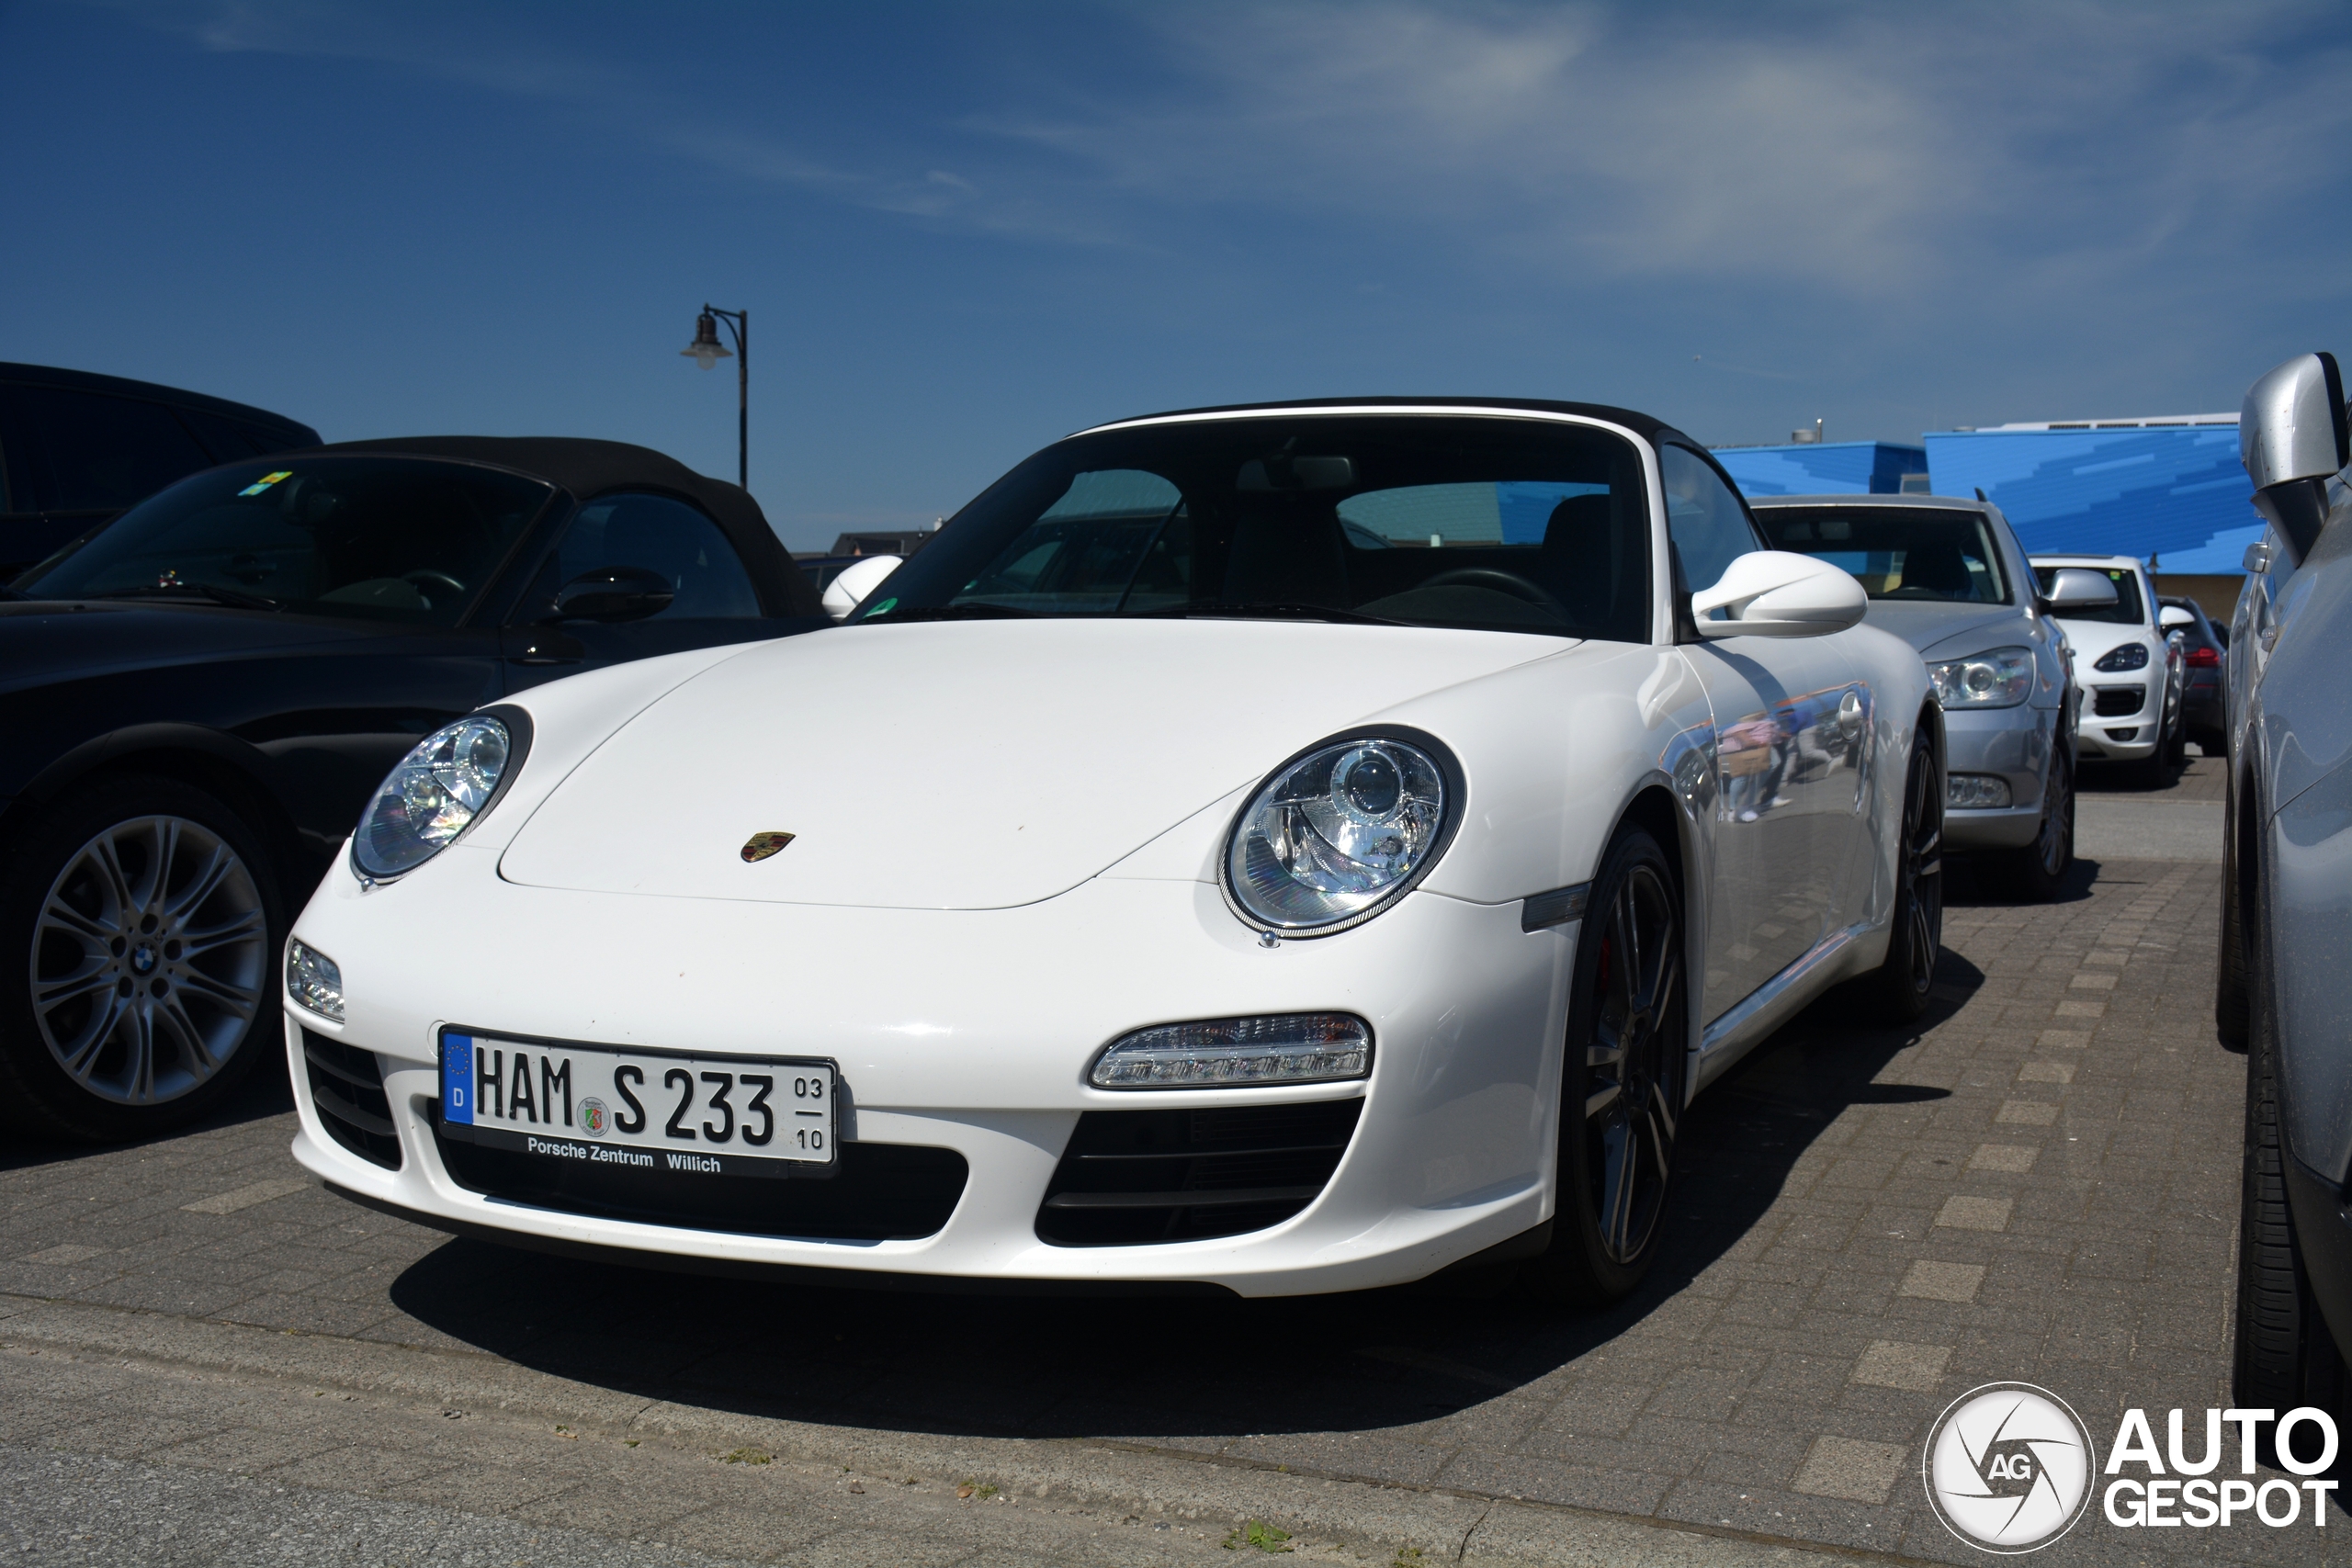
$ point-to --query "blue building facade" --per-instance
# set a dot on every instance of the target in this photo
(1826, 468)
(2173, 494)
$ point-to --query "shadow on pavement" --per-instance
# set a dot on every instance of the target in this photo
(1971, 885)
(1167, 1369)
(265, 1094)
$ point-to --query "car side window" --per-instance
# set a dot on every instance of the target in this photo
(1704, 520)
(667, 538)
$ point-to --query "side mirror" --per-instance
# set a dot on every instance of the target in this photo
(2292, 436)
(1779, 594)
(612, 593)
(853, 585)
(2292, 426)
(2076, 588)
(2174, 616)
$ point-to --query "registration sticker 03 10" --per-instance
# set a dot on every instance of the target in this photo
(642, 1109)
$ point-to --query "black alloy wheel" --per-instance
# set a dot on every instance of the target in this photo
(2284, 1356)
(1916, 932)
(1622, 1083)
(139, 930)
(2037, 872)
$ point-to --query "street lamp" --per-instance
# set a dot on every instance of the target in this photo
(707, 351)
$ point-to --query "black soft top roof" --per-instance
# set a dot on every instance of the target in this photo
(1640, 424)
(299, 433)
(590, 468)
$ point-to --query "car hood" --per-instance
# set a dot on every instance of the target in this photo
(1950, 631)
(2091, 640)
(965, 765)
(46, 641)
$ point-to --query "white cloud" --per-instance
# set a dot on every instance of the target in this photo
(1874, 150)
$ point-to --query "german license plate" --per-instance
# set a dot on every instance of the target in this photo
(650, 1110)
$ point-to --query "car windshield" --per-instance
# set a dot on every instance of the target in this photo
(2125, 611)
(1897, 552)
(1496, 522)
(397, 539)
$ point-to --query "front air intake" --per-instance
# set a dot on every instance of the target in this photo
(347, 1091)
(1133, 1177)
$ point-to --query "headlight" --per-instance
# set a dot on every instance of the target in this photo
(2001, 679)
(1976, 791)
(1306, 1047)
(1340, 832)
(2129, 656)
(314, 980)
(441, 788)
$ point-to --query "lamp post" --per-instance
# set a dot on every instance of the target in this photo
(707, 351)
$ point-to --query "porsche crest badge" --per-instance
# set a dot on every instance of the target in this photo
(759, 846)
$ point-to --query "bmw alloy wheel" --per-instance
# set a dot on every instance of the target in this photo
(150, 960)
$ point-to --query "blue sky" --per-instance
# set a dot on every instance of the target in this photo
(964, 231)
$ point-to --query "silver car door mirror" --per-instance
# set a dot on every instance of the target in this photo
(2292, 436)
(2077, 587)
(1779, 594)
(2174, 616)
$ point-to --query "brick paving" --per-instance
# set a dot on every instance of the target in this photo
(2037, 1183)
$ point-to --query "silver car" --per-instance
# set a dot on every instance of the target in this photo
(2289, 863)
(1948, 577)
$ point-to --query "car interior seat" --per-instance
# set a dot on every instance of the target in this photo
(1580, 563)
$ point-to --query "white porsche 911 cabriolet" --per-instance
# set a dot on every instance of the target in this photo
(1288, 849)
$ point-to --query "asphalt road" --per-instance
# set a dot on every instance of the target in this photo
(205, 1357)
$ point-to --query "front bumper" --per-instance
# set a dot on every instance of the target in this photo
(2014, 744)
(2101, 737)
(971, 1032)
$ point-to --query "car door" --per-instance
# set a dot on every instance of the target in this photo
(714, 598)
(1792, 729)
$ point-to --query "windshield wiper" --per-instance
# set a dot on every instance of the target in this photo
(981, 611)
(235, 598)
(1265, 613)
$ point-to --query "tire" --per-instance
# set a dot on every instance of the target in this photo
(1622, 1083)
(2284, 1356)
(139, 928)
(1897, 989)
(2229, 999)
(2037, 873)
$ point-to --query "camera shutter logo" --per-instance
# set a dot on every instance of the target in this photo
(2008, 1468)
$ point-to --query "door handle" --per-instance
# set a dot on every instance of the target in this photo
(547, 646)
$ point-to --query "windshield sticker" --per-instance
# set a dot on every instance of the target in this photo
(267, 481)
(884, 609)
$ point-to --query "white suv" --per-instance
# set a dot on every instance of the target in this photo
(2130, 672)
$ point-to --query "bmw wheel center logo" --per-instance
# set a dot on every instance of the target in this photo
(2010, 1467)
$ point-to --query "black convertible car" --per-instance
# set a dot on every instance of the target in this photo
(199, 697)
